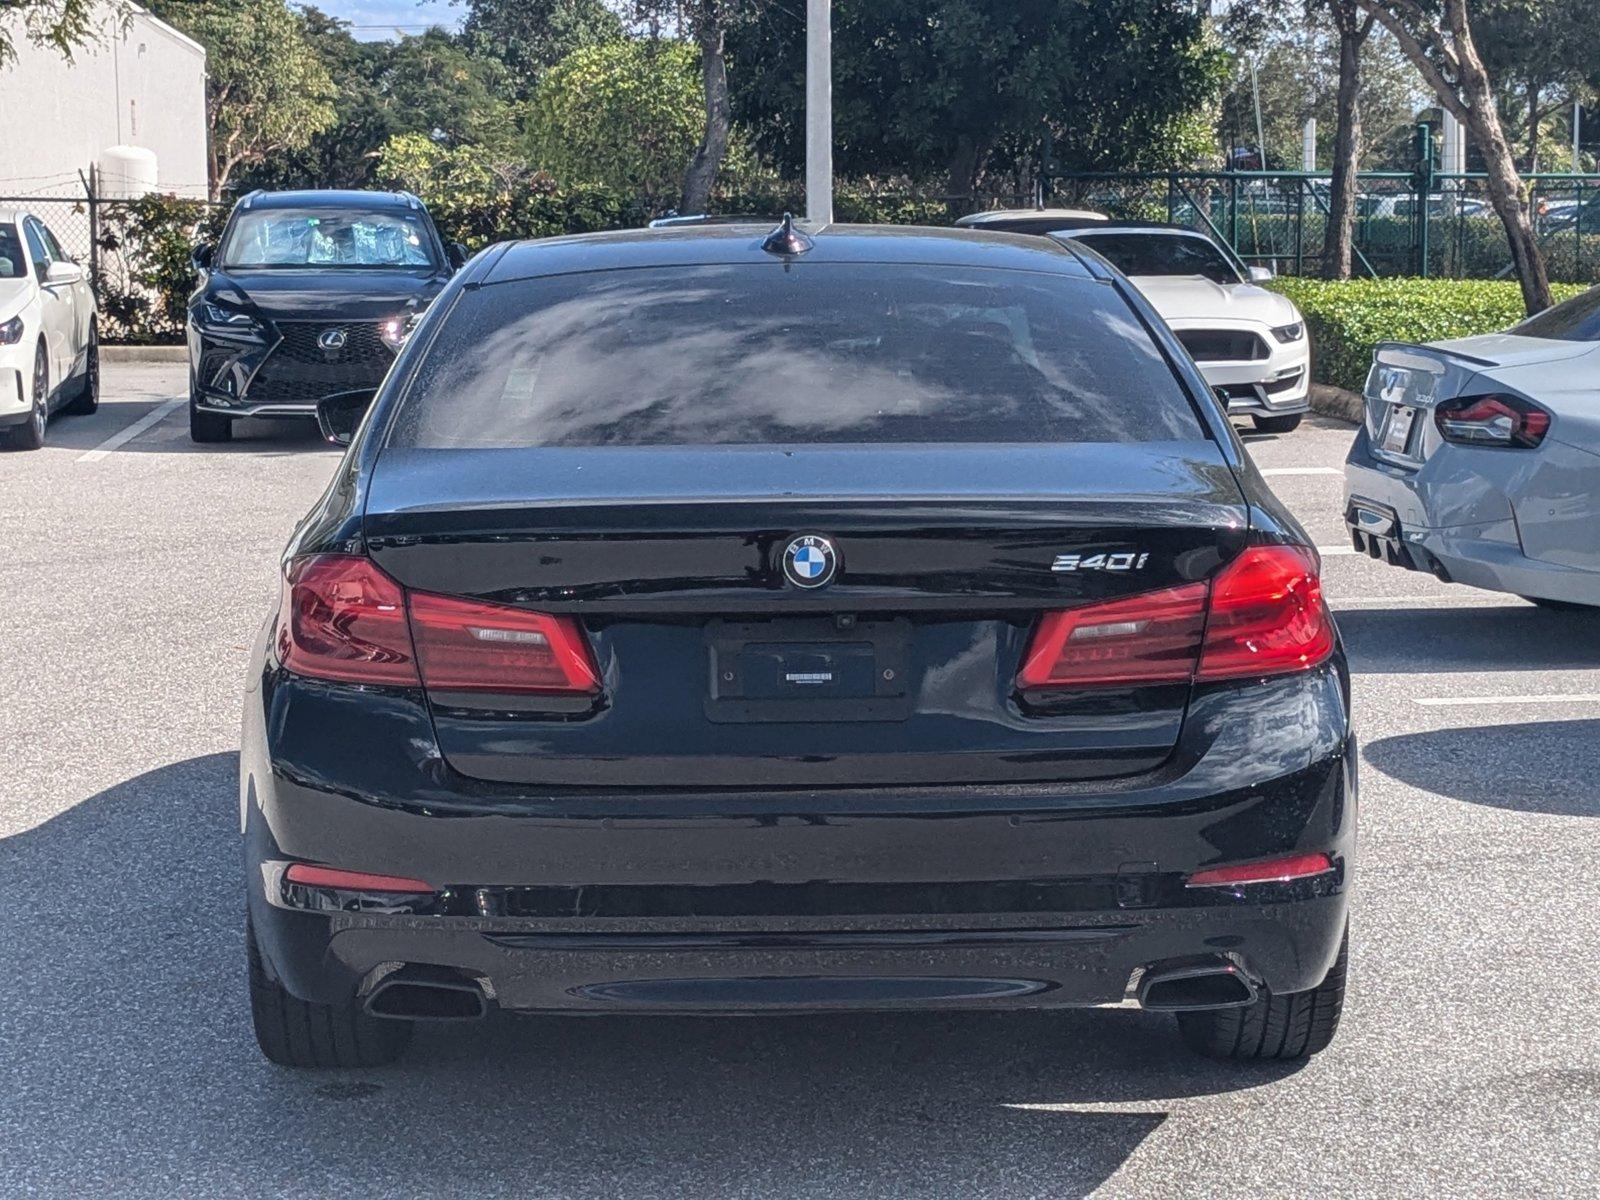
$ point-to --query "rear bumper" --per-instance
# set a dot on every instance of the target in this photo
(962, 897)
(1425, 519)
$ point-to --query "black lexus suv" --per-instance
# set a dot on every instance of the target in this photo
(730, 619)
(307, 295)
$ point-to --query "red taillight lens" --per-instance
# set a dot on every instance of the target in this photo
(354, 881)
(1262, 615)
(467, 646)
(1150, 638)
(1267, 615)
(1277, 870)
(343, 619)
(1492, 421)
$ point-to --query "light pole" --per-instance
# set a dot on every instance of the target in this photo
(819, 112)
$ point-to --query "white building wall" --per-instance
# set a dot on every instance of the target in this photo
(142, 85)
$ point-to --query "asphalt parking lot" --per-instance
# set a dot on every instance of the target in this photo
(134, 574)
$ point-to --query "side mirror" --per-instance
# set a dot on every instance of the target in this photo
(200, 257)
(339, 416)
(459, 255)
(62, 271)
(1261, 274)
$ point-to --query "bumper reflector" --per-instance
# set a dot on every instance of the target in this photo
(1275, 870)
(352, 881)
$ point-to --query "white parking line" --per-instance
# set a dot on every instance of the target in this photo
(1469, 701)
(122, 438)
(1269, 472)
(1335, 551)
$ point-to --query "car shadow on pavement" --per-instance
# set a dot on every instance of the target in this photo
(171, 434)
(127, 1066)
(1429, 640)
(1548, 767)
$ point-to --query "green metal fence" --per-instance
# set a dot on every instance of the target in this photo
(1407, 223)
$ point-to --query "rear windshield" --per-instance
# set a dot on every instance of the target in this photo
(1163, 254)
(814, 353)
(324, 237)
(1575, 320)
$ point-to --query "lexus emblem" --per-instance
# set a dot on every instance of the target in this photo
(810, 561)
(333, 339)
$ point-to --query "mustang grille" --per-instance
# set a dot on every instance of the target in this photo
(1223, 345)
(298, 370)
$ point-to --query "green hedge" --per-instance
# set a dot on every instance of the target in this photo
(1348, 319)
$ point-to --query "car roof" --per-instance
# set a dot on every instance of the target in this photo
(1135, 227)
(999, 215)
(329, 198)
(709, 245)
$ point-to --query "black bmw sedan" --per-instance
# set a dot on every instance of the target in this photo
(712, 620)
(307, 295)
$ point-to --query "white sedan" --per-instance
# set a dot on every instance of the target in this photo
(49, 348)
(1249, 343)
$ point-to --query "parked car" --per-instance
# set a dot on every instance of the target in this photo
(705, 621)
(306, 295)
(49, 340)
(1250, 343)
(1030, 220)
(1477, 459)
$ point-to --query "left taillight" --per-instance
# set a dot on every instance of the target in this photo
(467, 646)
(344, 620)
(1262, 615)
(1492, 421)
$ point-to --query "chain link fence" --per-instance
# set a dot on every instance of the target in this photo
(1280, 220)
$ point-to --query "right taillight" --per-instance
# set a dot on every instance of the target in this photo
(1492, 420)
(1268, 616)
(1263, 614)
(343, 619)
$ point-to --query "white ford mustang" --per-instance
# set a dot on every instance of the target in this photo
(49, 350)
(1479, 458)
(1249, 343)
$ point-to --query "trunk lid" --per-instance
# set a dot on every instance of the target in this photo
(901, 671)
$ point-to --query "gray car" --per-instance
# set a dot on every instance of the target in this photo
(1479, 459)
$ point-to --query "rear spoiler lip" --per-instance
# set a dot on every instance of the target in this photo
(1406, 354)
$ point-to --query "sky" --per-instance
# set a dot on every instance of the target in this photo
(376, 19)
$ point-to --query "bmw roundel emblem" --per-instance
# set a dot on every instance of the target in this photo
(810, 561)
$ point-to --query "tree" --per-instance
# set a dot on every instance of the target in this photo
(64, 25)
(530, 36)
(952, 89)
(1353, 27)
(1440, 42)
(625, 115)
(267, 90)
(1540, 53)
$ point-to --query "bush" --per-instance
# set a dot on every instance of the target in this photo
(1348, 319)
(145, 273)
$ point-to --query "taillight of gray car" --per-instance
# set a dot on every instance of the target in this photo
(867, 618)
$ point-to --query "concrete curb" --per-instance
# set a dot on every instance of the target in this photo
(1336, 402)
(144, 354)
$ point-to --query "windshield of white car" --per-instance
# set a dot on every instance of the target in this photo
(1576, 320)
(322, 237)
(11, 261)
(1163, 254)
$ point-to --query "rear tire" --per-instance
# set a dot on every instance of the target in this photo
(1277, 424)
(1295, 1025)
(87, 400)
(30, 434)
(207, 427)
(294, 1033)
